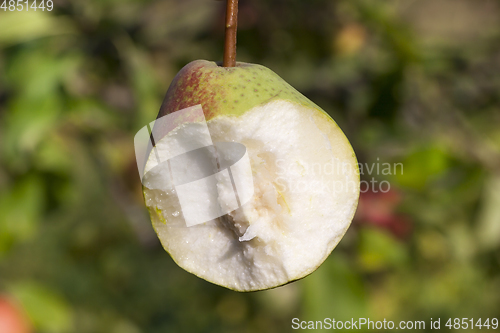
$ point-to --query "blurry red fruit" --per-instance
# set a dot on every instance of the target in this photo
(12, 319)
(379, 209)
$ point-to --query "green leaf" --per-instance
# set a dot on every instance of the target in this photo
(378, 250)
(488, 229)
(334, 290)
(422, 166)
(18, 27)
(143, 80)
(47, 310)
(26, 126)
(20, 210)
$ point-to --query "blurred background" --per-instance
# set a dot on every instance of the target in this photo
(411, 82)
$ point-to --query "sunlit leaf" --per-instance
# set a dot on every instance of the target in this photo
(20, 211)
(46, 309)
(334, 290)
(488, 228)
(19, 27)
(422, 166)
(379, 250)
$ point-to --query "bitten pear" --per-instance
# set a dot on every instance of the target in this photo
(305, 179)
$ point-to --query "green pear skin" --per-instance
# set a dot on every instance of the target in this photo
(227, 90)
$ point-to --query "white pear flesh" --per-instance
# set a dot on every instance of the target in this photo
(306, 188)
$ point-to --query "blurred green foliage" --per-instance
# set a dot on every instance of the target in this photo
(412, 82)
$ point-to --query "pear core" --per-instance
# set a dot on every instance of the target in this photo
(306, 188)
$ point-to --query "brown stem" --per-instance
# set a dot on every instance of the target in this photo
(231, 27)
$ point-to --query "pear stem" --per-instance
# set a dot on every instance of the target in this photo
(230, 40)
